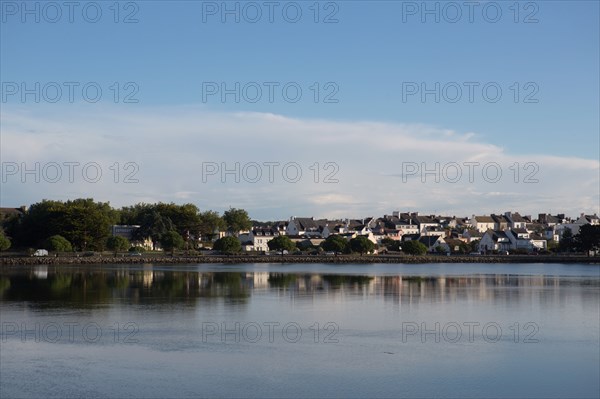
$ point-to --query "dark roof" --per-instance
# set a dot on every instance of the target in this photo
(410, 237)
(500, 219)
(428, 240)
(12, 211)
(516, 217)
(309, 224)
(484, 219)
(499, 235)
(265, 231)
(424, 219)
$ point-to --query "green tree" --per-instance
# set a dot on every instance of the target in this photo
(552, 246)
(439, 249)
(117, 243)
(413, 248)
(4, 241)
(171, 240)
(463, 248)
(58, 243)
(588, 238)
(153, 225)
(228, 245)
(157, 219)
(185, 218)
(87, 224)
(281, 243)
(43, 219)
(237, 220)
(210, 223)
(390, 244)
(335, 243)
(567, 242)
(362, 245)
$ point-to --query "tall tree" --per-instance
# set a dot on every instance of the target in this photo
(85, 223)
(153, 225)
(210, 223)
(88, 223)
(237, 220)
(588, 238)
(567, 242)
(184, 217)
(171, 240)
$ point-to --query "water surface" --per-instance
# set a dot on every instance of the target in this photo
(300, 330)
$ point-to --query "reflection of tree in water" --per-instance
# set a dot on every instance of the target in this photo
(232, 286)
(4, 285)
(59, 289)
(83, 288)
(338, 280)
(281, 280)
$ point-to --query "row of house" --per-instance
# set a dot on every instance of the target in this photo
(507, 231)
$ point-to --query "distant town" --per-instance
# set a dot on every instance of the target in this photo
(85, 225)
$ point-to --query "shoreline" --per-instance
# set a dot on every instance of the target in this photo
(342, 259)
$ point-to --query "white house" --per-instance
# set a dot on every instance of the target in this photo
(495, 240)
(308, 227)
(433, 242)
(516, 221)
(519, 239)
(482, 223)
(426, 223)
(258, 239)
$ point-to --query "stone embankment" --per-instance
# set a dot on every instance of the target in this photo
(66, 260)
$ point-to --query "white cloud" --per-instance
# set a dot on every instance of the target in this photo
(170, 145)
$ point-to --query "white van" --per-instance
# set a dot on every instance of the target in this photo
(40, 252)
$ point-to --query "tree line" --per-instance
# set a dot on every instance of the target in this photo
(86, 225)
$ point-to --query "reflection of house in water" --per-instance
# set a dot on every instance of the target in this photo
(259, 279)
(148, 276)
(40, 272)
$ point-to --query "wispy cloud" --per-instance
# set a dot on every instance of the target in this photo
(348, 168)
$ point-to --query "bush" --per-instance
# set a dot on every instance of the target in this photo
(228, 245)
(137, 249)
(413, 248)
(281, 243)
(4, 242)
(335, 243)
(362, 245)
(58, 243)
(117, 243)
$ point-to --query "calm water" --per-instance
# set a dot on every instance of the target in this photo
(301, 331)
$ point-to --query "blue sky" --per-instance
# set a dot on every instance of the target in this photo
(367, 60)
